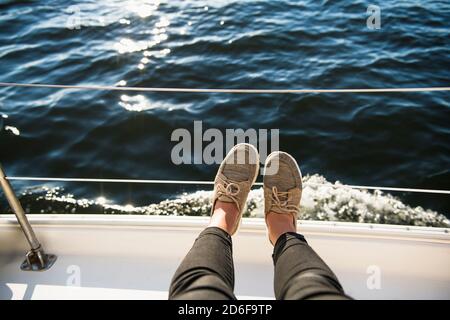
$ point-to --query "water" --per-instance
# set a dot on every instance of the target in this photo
(395, 139)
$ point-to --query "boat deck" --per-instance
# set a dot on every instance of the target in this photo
(134, 257)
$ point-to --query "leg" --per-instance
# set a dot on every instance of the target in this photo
(299, 272)
(207, 271)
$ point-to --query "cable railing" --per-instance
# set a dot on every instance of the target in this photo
(209, 90)
(200, 182)
(218, 90)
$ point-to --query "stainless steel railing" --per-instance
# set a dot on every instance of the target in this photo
(35, 259)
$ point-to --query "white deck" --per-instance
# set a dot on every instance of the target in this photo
(134, 257)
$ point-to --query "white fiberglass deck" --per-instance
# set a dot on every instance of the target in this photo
(134, 257)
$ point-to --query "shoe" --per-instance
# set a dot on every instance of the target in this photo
(282, 185)
(235, 177)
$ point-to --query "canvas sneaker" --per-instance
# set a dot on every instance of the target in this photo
(282, 185)
(235, 177)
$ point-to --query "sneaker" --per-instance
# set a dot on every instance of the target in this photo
(282, 185)
(237, 173)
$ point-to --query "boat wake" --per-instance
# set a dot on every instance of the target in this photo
(321, 200)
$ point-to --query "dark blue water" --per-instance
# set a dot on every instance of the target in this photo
(395, 139)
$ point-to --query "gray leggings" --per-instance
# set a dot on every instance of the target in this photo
(207, 271)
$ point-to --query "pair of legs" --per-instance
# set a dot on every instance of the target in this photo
(207, 271)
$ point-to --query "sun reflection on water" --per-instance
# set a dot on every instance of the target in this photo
(140, 103)
(162, 23)
(150, 48)
(136, 103)
(124, 21)
(143, 9)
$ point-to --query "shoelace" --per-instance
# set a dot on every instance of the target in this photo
(229, 189)
(281, 199)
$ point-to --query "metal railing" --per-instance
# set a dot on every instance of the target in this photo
(202, 182)
(35, 259)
